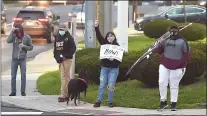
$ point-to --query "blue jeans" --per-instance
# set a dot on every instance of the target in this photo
(14, 67)
(108, 77)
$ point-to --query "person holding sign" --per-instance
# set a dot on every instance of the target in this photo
(110, 66)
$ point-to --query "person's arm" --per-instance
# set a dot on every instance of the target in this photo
(11, 37)
(71, 44)
(29, 46)
(54, 48)
(186, 52)
(99, 36)
(160, 49)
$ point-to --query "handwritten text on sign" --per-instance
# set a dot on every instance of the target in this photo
(111, 51)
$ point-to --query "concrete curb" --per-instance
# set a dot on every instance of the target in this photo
(51, 105)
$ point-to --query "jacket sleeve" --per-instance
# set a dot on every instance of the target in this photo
(54, 48)
(11, 37)
(159, 49)
(186, 53)
(99, 36)
(29, 46)
(72, 46)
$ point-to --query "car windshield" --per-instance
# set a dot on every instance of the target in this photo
(32, 15)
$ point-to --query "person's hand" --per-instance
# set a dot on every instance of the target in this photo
(111, 59)
(14, 29)
(96, 23)
(64, 58)
(22, 45)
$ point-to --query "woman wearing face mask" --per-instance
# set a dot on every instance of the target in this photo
(64, 48)
(109, 69)
(175, 55)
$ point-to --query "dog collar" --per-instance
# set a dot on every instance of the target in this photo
(83, 80)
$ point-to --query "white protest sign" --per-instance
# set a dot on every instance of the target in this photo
(111, 51)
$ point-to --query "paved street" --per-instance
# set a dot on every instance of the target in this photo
(12, 109)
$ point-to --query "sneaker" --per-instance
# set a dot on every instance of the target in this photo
(163, 105)
(61, 99)
(23, 93)
(173, 106)
(12, 94)
(110, 105)
(97, 104)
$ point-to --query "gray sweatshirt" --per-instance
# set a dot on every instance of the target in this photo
(20, 53)
(175, 53)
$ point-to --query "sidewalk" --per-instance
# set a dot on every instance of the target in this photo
(42, 63)
(50, 104)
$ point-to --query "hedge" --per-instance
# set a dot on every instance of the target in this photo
(156, 28)
(147, 71)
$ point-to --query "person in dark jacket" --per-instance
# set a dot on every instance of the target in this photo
(64, 48)
(21, 44)
(109, 69)
(175, 54)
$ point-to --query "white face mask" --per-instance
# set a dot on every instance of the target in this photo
(61, 32)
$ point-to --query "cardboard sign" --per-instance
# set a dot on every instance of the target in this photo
(109, 51)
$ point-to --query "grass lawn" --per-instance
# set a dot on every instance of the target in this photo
(135, 43)
(131, 93)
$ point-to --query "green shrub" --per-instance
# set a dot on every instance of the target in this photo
(89, 58)
(195, 2)
(198, 45)
(194, 32)
(195, 68)
(156, 28)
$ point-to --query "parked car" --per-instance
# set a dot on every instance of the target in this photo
(79, 12)
(38, 22)
(3, 18)
(194, 13)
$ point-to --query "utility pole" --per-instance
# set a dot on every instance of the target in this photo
(101, 16)
(97, 10)
(185, 11)
(90, 11)
(108, 21)
(123, 24)
(73, 29)
(135, 11)
(0, 35)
